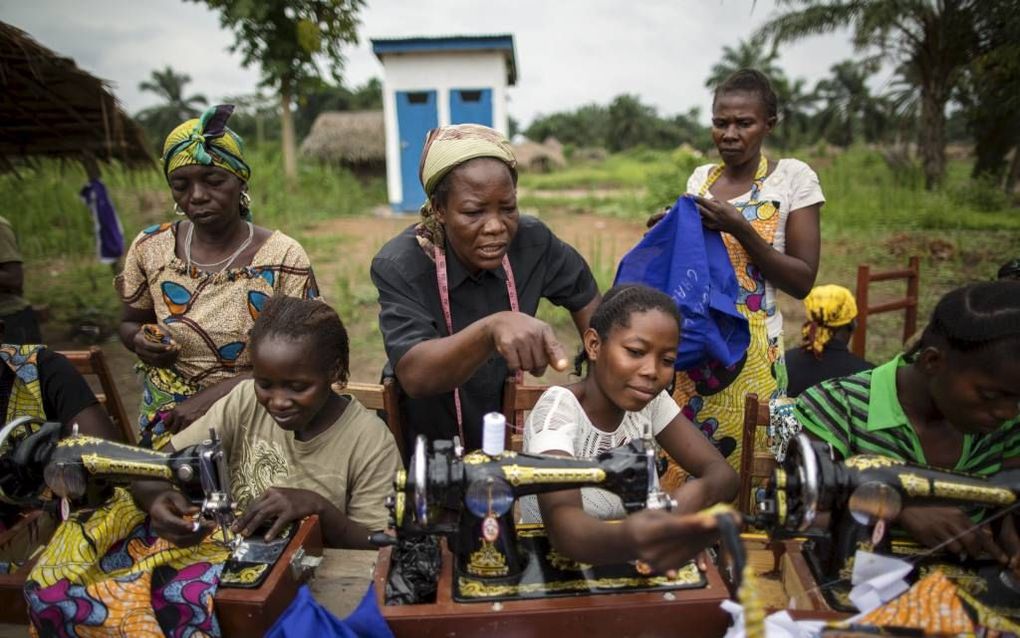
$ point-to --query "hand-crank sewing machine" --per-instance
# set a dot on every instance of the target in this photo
(864, 494)
(489, 576)
(260, 578)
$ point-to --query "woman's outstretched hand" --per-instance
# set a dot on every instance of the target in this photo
(526, 343)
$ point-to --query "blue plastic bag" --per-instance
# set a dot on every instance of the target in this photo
(689, 262)
(306, 617)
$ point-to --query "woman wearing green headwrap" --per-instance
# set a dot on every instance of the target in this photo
(459, 290)
(191, 289)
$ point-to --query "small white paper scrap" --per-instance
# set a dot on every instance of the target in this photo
(778, 625)
(877, 579)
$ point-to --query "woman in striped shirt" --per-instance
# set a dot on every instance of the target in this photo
(952, 401)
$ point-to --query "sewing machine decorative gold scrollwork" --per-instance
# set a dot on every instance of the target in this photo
(864, 495)
(463, 504)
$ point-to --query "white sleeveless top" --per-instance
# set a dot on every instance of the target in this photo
(558, 422)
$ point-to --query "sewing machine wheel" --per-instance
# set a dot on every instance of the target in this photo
(22, 441)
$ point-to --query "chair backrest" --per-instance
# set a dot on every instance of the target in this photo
(908, 303)
(92, 362)
(381, 396)
(755, 465)
(518, 398)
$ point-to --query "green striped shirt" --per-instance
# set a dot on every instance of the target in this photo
(861, 414)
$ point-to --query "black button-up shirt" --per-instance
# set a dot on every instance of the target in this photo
(410, 312)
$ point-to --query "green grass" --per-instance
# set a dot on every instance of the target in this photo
(861, 189)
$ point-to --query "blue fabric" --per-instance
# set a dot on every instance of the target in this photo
(306, 617)
(689, 262)
(109, 235)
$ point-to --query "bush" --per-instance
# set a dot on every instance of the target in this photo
(982, 193)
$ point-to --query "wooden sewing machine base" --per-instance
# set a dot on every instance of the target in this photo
(241, 612)
(690, 612)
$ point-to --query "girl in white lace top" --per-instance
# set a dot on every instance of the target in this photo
(630, 348)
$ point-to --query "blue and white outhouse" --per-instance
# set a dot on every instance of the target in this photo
(435, 81)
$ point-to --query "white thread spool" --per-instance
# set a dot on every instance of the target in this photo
(493, 433)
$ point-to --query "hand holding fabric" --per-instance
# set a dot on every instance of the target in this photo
(719, 215)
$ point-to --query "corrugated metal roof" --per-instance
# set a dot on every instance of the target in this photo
(433, 44)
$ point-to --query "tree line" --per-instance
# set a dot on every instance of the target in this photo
(963, 54)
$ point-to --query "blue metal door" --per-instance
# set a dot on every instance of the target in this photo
(472, 106)
(416, 115)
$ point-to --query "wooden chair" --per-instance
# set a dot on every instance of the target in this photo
(518, 399)
(384, 396)
(92, 362)
(908, 303)
(754, 464)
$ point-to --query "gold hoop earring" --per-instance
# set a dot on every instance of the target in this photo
(178, 211)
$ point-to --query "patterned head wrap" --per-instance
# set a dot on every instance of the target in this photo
(828, 307)
(446, 148)
(207, 141)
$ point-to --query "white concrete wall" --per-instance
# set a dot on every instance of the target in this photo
(439, 72)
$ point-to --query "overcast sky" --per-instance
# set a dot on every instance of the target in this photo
(569, 52)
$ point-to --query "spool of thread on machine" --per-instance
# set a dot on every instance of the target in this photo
(493, 433)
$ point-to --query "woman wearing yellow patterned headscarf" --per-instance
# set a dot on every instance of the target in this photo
(459, 290)
(828, 307)
(193, 288)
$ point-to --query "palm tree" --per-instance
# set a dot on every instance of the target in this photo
(176, 108)
(936, 36)
(749, 54)
(850, 112)
(795, 106)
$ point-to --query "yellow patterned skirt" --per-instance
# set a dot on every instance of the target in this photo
(712, 396)
(105, 573)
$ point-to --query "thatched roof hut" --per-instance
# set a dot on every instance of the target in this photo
(51, 108)
(352, 138)
(540, 158)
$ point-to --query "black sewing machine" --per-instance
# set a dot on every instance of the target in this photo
(458, 562)
(469, 500)
(863, 495)
(39, 470)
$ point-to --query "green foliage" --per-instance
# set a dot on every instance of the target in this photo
(159, 120)
(861, 189)
(935, 40)
(626, 123)
(317, 95)
(287, 38)
(850, 113)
